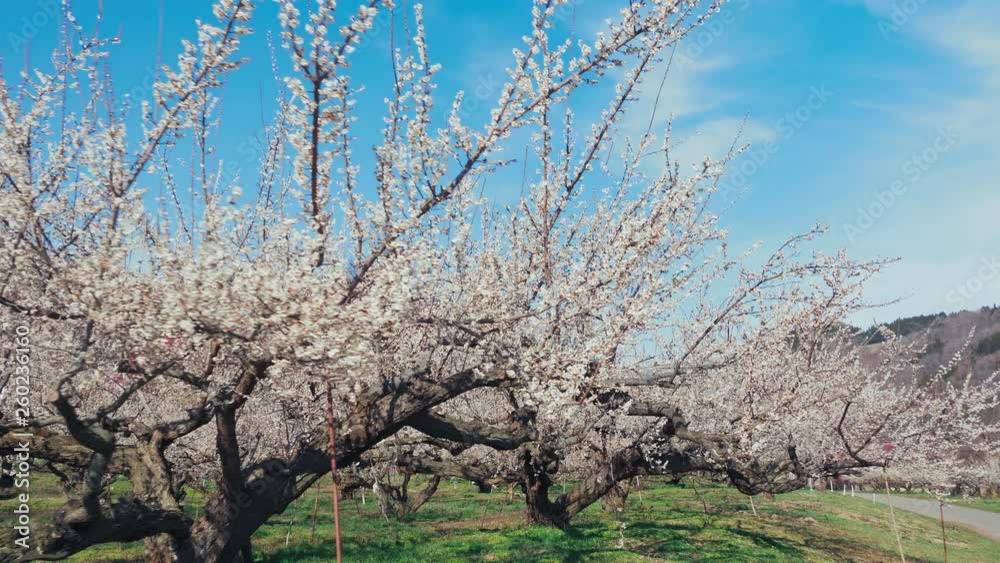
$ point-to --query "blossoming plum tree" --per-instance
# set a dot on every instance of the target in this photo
(189, 336)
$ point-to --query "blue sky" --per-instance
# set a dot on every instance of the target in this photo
(878, 118)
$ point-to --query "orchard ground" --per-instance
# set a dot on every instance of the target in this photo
(662, 523)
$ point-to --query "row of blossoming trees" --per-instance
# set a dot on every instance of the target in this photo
(595, 329)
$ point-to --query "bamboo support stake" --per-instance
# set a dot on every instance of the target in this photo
(333, 470)
(944, 536)
(315, 515)
(892, 513)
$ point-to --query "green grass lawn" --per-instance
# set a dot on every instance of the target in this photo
(668, 523)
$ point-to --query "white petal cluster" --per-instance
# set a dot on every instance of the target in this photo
(159, 279)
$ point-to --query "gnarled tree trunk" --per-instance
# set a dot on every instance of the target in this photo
(538, 464)
(397, 501)
(252, 494)
(614, 500)
(538, 467)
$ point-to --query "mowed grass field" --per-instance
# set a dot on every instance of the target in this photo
(662, 523)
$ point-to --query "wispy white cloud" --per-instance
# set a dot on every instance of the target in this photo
(946, 227)
(965, 33)
(967, 30)
(691, 90)
(715, 137)
(685, 91)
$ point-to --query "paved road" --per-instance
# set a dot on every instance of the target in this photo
(986, 523)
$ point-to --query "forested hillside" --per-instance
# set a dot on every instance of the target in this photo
(974, 333)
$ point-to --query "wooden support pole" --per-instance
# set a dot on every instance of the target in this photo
(333, 469)
(944, 536)
(892, 514)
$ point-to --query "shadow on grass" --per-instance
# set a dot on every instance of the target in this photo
(669, 525)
